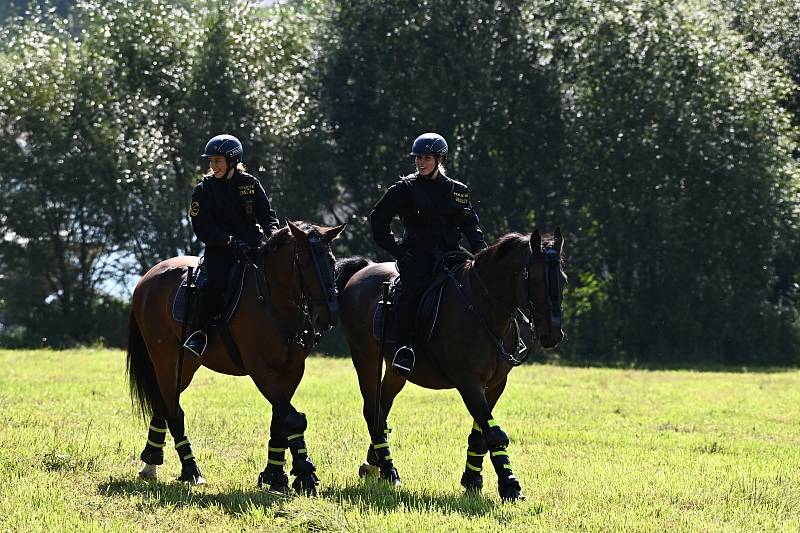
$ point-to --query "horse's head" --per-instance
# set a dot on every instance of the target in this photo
(315, 263)
(545, 285)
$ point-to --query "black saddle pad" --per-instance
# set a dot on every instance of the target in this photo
(232, 296)
(179, 303)
(428, 307)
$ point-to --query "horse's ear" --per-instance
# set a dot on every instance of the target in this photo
(331, 233)
(559, 238)
(297, 233)
(536, 241)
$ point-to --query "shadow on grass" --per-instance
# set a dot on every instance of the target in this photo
(370, 494)
(178, 494)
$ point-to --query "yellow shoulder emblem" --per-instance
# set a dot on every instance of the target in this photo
(461, 197)
(194, 209)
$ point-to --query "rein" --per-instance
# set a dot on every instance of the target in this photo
(511, 358)
(551, 259)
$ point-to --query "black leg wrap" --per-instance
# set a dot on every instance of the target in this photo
(380, 455)
(153, 453)
(508, 484)
(189, 469)
(303, 468)
(472, 480)
(274, 475)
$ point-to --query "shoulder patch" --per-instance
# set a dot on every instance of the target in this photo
(194, 209)
(461, 197)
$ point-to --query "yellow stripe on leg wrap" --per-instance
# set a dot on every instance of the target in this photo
(158, 430)
(274, 462)
(181, 443)
(155, 444)
(492, 423)
(475, 468)
(476, 427)
(295, 436)
(279, 450)
(473, 454)
(187, 457)
(499, 452)
(381, 445)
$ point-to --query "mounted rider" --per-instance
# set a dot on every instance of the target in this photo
(231, 215)
(436, 212)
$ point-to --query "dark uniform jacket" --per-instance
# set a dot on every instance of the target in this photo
(223, 207)
(435, 214)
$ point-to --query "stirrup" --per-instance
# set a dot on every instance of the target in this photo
(404, 364)
(196, 343)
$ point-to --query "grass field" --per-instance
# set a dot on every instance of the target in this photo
(595, 450)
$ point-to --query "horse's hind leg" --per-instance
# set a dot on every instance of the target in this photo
(496, 441)
(153, 453)
(379, 455)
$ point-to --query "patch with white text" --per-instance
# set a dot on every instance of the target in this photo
(461, 197)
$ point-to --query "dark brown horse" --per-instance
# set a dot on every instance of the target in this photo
(472, 347)
(288, 295)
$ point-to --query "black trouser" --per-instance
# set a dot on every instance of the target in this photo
(415, 277)
(218, 264)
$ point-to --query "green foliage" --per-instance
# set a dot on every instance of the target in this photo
(658, 135)
(679, 158)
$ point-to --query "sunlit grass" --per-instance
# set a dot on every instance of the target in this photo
(595, 449)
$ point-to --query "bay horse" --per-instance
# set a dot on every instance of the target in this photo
(472, 346)
(288, 295)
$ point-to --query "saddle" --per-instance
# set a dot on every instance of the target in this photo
(233, 294)
(427, 313)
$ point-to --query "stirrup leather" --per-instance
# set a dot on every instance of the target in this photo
(196, 343)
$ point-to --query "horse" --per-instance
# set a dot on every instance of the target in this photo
(287, 298)
(472, 347)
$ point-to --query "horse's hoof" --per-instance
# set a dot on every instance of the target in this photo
(472, 482)
(367, 469)
(510, 489)
(148, 472)
(306, 484)
(391, 476)
(190, 473)
(277, 480)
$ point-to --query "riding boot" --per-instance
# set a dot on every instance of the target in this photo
(404, 357)
(198, 340)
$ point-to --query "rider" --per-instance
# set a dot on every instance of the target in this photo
(231, 214)
(435, 212)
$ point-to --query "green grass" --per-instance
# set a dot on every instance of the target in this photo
(595, 450)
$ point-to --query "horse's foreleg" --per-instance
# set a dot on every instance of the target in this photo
(287, 429)
(274, 476)
(189, 470)
(472, 479)
(496, 441)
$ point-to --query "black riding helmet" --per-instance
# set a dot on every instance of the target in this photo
(429, 143)
(226, 146)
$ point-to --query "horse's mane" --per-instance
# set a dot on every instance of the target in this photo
(508, 243)
(283, 236)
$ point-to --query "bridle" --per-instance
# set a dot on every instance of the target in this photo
(551, 258)
(306, 336)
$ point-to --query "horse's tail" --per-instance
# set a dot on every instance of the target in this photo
(141, 374)
(346, 268)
